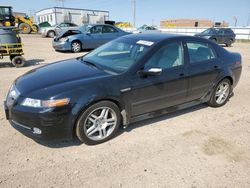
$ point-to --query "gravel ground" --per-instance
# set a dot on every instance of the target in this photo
(196, 147)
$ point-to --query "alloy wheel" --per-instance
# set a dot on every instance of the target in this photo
(76, 47)
(222, 92)
(100, 123)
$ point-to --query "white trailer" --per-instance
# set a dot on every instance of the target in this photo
(57, 15)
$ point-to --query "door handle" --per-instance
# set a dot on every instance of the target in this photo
(181, 74)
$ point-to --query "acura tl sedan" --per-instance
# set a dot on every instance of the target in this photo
(128, 79)
(86, 37)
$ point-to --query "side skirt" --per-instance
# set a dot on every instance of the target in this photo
(165, 111)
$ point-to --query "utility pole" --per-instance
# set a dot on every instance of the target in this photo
(235, 21)
(248, 20)
(134, 11)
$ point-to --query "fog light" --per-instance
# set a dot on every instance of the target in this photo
(37, 131)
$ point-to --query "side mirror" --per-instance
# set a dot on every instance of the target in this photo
(151, 72)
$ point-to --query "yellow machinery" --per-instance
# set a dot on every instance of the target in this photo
(123, 24)
(26, 24)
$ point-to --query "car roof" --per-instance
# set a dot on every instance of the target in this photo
(153, 37)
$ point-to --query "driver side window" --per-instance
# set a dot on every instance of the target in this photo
(96, 29)
(171, 55)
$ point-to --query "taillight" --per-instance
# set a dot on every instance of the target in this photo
(237, 63)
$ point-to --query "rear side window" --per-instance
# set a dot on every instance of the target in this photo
(107, 29)
(229, 31)
(199, 52)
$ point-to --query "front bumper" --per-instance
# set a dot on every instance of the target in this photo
(61, 46)
(53, 123)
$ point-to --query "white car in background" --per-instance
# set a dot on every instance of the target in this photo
(52, 31)
(147, 29)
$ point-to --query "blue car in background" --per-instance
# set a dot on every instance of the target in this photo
(88, 36)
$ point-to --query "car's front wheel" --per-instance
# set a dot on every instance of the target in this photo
(76, 46)
(98, 123)
(51, 34)
(220, 94)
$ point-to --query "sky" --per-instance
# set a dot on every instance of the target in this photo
(150, 11)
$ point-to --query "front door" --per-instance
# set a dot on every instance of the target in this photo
(93, 38)
(153, 93)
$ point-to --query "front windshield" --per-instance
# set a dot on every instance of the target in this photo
(119, 55)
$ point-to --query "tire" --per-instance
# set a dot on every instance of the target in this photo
(76, 46)
(229, 43)
(18, 61)
(34, 28)
(92, 126)
(51, 34)
(220, 91)
(25, 28)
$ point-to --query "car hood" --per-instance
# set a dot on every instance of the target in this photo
(60, 74)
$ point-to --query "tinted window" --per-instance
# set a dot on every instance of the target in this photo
(199, 52)
(108, 29)
(96, 29)
(168, 56)
(221, 31)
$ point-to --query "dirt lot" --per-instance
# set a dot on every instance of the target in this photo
(197, 147)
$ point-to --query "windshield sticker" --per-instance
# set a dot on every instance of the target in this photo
(144, 42)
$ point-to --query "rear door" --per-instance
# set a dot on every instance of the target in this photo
(203, 68)
(221, 36)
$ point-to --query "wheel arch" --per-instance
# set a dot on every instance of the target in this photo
(116, 101)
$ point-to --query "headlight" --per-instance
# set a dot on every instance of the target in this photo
(36, 103)
(64, 39)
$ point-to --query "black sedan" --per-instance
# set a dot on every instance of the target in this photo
(126, 80)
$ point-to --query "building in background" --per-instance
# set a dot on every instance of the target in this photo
(191, 23)
(57, 15)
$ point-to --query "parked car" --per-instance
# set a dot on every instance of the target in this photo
(219, 35)
(56, 29)
(147, 29)
(86, 37)
(128, 79)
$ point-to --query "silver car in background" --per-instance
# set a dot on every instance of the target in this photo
(56, 29)
(147, 29)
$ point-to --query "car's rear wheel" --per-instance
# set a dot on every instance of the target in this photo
(229, 43)
(220, 94)
(51, 34)
(98, 123)
(76, 46)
